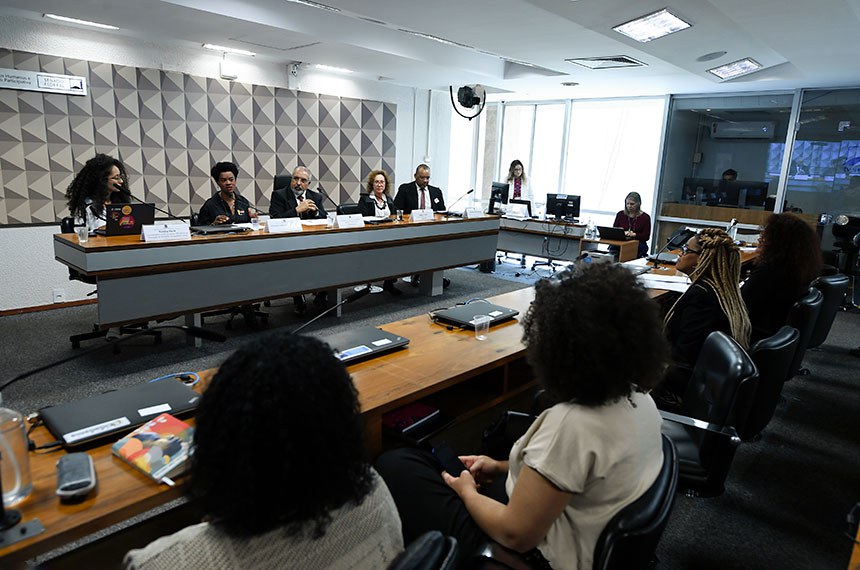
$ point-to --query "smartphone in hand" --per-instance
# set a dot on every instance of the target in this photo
(448, 459)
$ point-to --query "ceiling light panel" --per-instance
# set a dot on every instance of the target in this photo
(736, 68)
(652, 26)
(225, 49)
(81, 22)
(317, 5)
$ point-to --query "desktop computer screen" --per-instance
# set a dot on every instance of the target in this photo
(498, 195)
(562, 205)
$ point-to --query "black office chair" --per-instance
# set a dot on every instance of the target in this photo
(282, 181)
(629, 539)
(803, 316)
(833, 290)
(716, 406)
(67, 226)
(348, 208)
(430, 551)
(773, 357)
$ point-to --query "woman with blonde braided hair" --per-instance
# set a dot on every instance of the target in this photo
(712, 303)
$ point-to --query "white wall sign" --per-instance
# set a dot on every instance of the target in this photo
(46, 82)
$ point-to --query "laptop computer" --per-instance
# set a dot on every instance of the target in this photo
(463, 315)
(616, 234)
(128, 219)
(363, 343)
(219, 229)
(113, 413)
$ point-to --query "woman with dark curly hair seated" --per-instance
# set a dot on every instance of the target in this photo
(789, 259)
(98, 183)
(596, 450)
(280, 469)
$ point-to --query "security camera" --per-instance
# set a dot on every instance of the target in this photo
(294, 69)
(470, 95)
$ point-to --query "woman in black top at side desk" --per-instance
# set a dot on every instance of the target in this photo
(227, 206)
(712, 303)
(789, 259)
(98, 183)
(635, 223)
(378, 202)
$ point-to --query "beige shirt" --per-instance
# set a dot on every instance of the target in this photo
(366, 536)
(606, 456)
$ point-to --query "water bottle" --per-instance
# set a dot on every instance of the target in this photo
(732, 230)
(14, 458)
(589, 229)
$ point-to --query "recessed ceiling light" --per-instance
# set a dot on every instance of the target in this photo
(570, 84)
(652, 26)
(435, 38)
(82, 22)
(317, 5)
(333, 68)
(736, 68)
(225, 49)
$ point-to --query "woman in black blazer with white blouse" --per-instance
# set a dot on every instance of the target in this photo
(378, 202)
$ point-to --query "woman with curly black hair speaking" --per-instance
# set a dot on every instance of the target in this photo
(99, 182)
(280, 469)
(596, 450)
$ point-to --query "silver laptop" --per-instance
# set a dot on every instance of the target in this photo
(363, 343)
(463, 315)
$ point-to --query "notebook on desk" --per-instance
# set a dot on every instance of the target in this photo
(363, 343)
(463, 315)
(113, 413)
(615, 234)
(128, 219)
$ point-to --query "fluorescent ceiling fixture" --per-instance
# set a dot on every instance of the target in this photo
(652, 26)
(736, 68)
(333, 68)
(224, 49)
(435, 39)
(82, 22)
(317, 5)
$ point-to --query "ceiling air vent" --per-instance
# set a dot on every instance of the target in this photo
(606, 62)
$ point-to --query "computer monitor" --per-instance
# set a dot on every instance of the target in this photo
(562, 205)
(753, 194)
(701, 191)
(498, 195)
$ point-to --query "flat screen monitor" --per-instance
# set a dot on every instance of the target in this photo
(703, 191)
(562, 205)
(731, 193)
(753, 194)
(498, 195)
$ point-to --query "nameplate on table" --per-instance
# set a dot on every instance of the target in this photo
(284, 225)
(349, 221)
(473, 213)
(165, 232)
(425, 215)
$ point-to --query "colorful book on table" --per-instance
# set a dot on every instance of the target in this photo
(158, 448)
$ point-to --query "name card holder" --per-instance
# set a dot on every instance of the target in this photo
(284, 225)
(349, 221)
(425, 215)
(473, 213)
(165, 232)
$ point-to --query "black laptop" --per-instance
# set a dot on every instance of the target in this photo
(615, 234)
(128, 219)
(117, 412)
(463, 315)
(363, 343)
(219, 229)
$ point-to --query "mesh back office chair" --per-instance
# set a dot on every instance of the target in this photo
(773, 357)
(67, 226)
(716, 406)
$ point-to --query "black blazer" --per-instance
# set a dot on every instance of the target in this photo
(407, 198)
(216, 206)
(367, 205)
(283, 204)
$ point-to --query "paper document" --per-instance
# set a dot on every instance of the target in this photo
(678, 283)
(321, 222)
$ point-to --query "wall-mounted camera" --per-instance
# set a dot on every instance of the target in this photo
(469, 97)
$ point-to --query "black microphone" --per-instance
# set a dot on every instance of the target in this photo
(123, 190)
(449, 212)
(327, 197)
(678, 238)
(198, 332)
(250, 205)
(354, 296)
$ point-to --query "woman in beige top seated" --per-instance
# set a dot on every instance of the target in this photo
(595, 451)
(279, 469)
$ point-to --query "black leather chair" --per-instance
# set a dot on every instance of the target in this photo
(803, 316)
(833, 289)
(348, 208)
(282, 181)
(716, 406)
(430, 551)
(773, 357)
(67, 226)
(629, 539)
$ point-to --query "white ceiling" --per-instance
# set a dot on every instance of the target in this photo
(801, 43)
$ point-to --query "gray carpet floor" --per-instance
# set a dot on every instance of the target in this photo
(787, 494)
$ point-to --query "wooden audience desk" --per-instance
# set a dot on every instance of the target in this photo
(554, 240)
(140, 281)
(451, 369)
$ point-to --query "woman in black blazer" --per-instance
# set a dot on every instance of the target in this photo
(378, 202)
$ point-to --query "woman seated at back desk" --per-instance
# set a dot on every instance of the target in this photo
(99, 182)
(635, 223)
(280, 469)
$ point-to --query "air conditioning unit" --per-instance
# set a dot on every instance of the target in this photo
(742, 130)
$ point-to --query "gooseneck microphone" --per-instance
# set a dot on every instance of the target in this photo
(250, 205)
(678, 238)
(354, 296)
(450, 213)
(125, 191)
(327, 197)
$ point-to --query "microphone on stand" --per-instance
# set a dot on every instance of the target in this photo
(125, 191)
(250, 205)
(354, 296)
(678, 238)
(327, 197)
(449, 213)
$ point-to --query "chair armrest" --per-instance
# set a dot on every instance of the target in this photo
(727, 431)
(504, 556)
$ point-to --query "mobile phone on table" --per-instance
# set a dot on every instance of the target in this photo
(448, 459)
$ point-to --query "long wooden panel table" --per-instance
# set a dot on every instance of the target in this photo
(450, 369)
(555, 240)
(140, 281)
